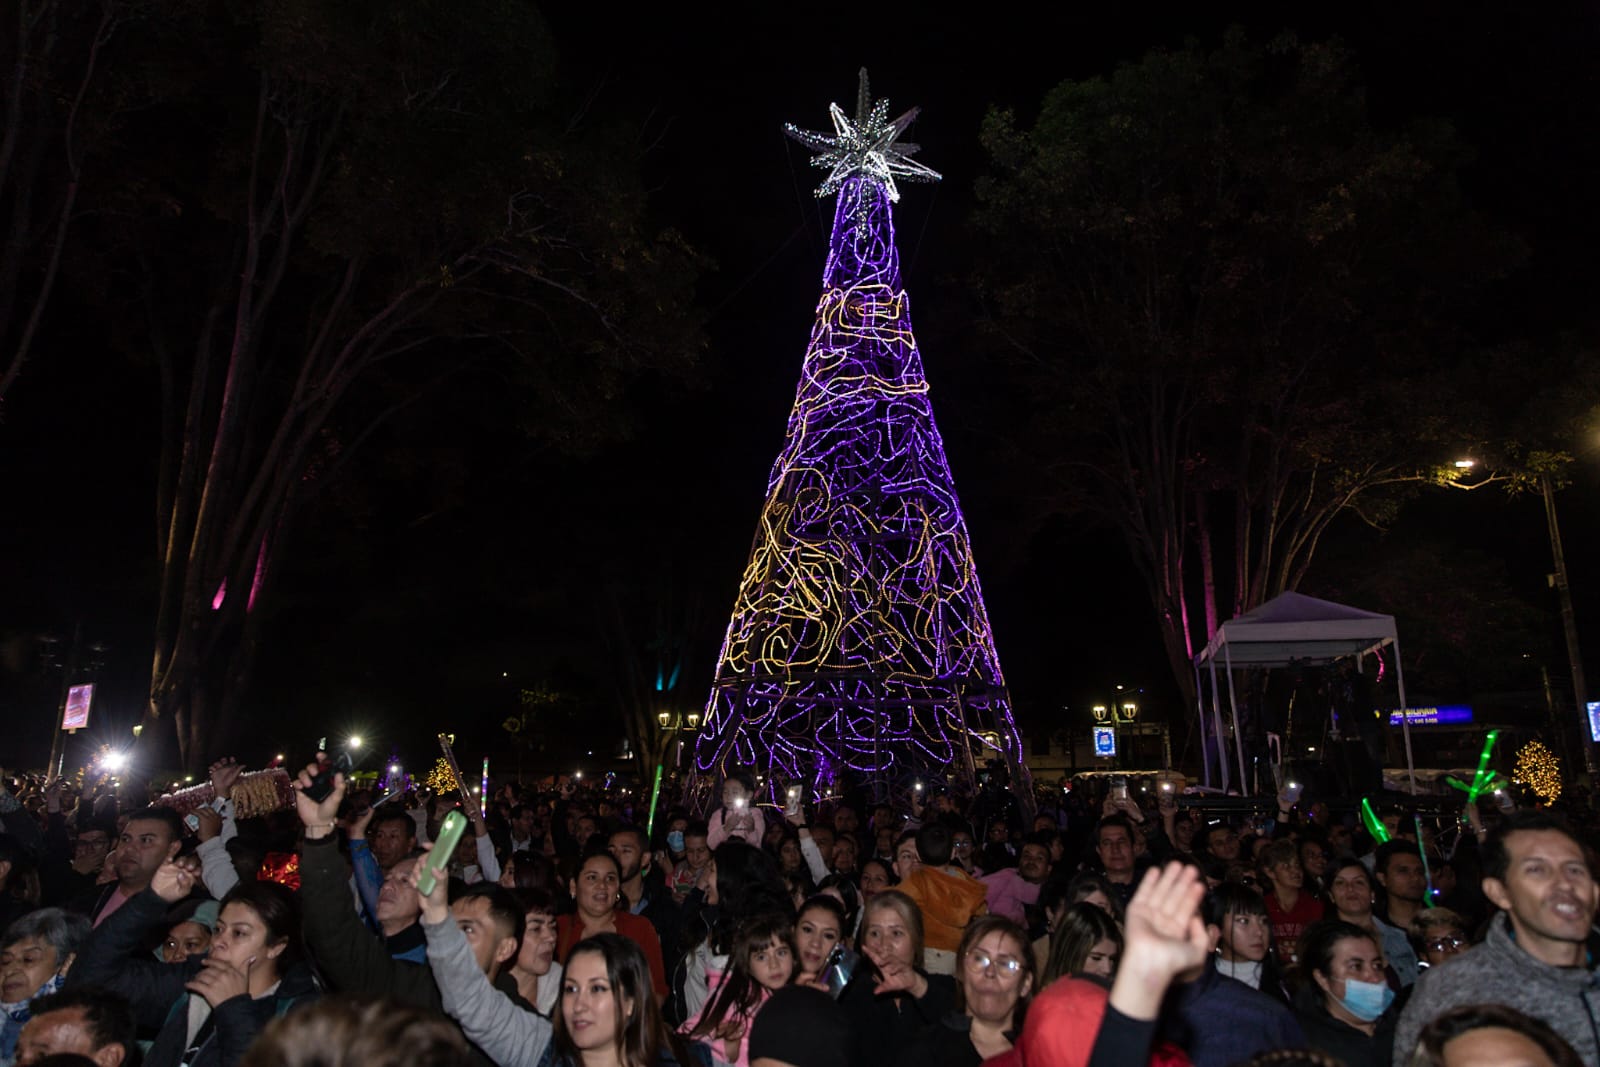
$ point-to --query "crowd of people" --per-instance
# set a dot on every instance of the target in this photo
(1104, 929)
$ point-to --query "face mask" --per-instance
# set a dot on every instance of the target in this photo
(1366, 1000)
(675, 840)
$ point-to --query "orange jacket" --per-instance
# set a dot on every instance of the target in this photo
(948, 902)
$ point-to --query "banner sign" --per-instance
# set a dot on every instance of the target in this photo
(76, 716)
(1443, 715)
(1105, 741)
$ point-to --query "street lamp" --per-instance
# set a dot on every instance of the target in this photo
(1569, 624)
(1558, 580)
(1130, 711)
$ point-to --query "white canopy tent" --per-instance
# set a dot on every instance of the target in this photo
(1291, 629)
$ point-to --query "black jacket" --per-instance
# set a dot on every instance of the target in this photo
(1338, 1038)
(884, 1025)
(113, 959)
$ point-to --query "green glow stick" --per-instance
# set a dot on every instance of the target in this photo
(1481, 780)
(436, 862)
(1374, 825)
(1427, 872)
(655, 794)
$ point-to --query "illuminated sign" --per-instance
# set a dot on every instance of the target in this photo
(1594, 720)
(76, 717)
(1105, 741)
(1443, 715)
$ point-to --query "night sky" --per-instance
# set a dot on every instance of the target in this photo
(477, 563)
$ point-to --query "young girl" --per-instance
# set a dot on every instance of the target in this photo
(738, 817)
(762, 961)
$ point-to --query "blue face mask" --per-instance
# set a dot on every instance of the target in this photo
(1366, 1000)
(675, 840)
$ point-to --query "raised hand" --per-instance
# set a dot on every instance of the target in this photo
(224, 774)
(172, 881)
(435, 905)
(355, 824)
(1163, 937)
(897, 977)
(210, 823)
(318, 816)
(1167, 805)
(218, 981)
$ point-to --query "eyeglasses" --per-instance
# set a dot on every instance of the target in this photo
(980, 960)
(1445, 944)
(961, 844)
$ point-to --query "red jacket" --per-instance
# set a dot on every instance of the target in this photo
(635, 928)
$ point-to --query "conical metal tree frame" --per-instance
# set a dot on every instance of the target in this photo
(859, 650)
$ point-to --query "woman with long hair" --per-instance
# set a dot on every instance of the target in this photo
(741, 881)
(821, 925)
(761, 963)
(207, 1010)
(1086, 942)
(609, 1016)
(1244, 941)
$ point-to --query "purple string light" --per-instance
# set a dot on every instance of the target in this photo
(859, 639)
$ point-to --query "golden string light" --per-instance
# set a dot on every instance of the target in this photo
(1539, 769)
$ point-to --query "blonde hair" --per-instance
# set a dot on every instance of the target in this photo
(903, 906)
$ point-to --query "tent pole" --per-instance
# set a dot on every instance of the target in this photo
(1200, 714)
(1216, 712)
(1238, 738)
(1405, 720)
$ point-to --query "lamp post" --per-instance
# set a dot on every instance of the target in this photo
(1127, 712)
(671, 724)
(1569, 625)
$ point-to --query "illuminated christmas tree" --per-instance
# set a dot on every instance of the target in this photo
(859, 641)
(440, 779)
(1538, 769)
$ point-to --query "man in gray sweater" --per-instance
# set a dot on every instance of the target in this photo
(1536, 957)
(507, 1032)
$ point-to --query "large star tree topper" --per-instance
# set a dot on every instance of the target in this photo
(868, 146)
